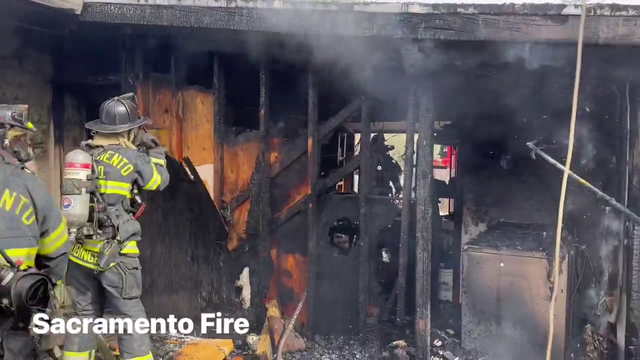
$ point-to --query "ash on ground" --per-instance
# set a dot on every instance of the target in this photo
(337, 347)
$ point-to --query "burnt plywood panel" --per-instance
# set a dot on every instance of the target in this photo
(337, 278)
(289, 255)
(198, 140)
(159, 101)
(187, 271)
(240, 155)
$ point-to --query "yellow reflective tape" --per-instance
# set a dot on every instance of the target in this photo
(87, 258)
(83, 256)
(26, 255)
(55, 240)
(155, 180)
(80, 262)
(114, 184)
(75, 355)
(159, 161)
(146, 357)
(130, 248)
(92, 245)
(115, 187)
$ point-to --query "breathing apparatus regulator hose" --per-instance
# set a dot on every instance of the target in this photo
(565, 178)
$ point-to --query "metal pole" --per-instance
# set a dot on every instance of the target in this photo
(582, 181)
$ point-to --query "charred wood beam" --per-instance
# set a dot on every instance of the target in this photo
(424, 225)
(218, 118)
(364, 187)
(127, 64)
(73, 6)
(386, 127)
(467, 27)
(314, 163)
(203, 188)
(406, 209)
(323, 185)
(261, 276)
(634, 205)
(624, 253)
(298, 148)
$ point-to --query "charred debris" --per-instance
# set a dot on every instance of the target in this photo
(388, 179)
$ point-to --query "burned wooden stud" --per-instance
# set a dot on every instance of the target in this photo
(314, 163)
(406, 208)
(299, 147)
(218, 118)
(424, 225)
(262, 275)
(364, 186)
(127, 64)
(323, 185)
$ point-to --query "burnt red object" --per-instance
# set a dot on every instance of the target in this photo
(137, 215)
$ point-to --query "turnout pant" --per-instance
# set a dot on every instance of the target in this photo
(18, 345)
(118, 289)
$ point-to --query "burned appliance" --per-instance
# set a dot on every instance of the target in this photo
(344, 234)
(506, 293)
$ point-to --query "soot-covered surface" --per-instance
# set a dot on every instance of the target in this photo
(186, 271)
(336, 308)
(506, 235)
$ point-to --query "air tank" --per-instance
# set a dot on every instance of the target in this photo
(75, 203)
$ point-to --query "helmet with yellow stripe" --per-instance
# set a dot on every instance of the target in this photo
(15, 116)
(16, 131)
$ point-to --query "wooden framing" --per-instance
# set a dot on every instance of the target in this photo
(424, 226)
(322, 186)
(264, 245)
(406, 209)
(618, 30)
(74, 6)
(299, 147)
(364, 188)
(313, 153)
(218, 165)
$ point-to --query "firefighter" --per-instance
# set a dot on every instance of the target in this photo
(125, 158)
(33, 237)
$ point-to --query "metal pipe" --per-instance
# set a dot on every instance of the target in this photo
(599, 194)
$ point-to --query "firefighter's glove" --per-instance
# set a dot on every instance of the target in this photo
(147, 140)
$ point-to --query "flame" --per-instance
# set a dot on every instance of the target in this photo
(164, 105)
(290, 271)
(239, 164)
(296, 194)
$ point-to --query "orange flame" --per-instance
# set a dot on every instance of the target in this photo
(290, 271)
(296, 194)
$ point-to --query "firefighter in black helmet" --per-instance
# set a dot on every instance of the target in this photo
(125, 158)
(33, 237)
